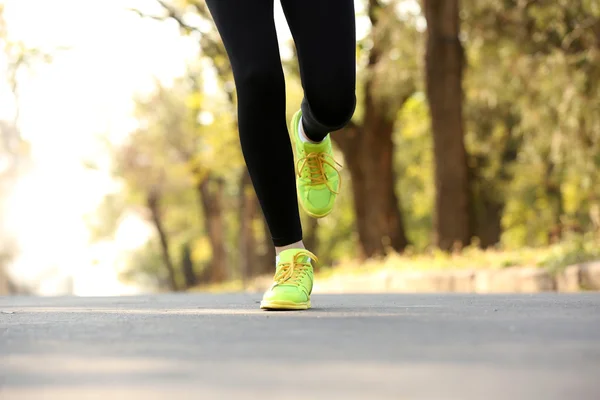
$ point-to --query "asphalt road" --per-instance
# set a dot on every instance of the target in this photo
(347, 347)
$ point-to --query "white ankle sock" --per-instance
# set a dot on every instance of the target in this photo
(302, 135)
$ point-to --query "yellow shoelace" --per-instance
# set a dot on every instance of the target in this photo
(293, 271)
(316, 165)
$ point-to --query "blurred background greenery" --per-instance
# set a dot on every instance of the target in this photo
(477, 134)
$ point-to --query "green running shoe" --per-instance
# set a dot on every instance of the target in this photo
(293, 282)
(318, 178)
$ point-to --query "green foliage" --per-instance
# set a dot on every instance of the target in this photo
(398, 70)
(414, 166)
(181, 139)
(103, 224)
(146, 267)
(531, 88)
(575, 249)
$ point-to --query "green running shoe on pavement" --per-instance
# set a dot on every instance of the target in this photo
(293, 282)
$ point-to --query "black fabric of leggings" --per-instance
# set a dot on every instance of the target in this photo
(325, 37)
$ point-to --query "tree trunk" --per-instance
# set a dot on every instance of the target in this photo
(153, 203)
(486, 213)
(486, 200)
(444, 69)
(211, 197)
(248, 257)
(368, 153)
(266, 260)
(555, 197)
(257, 256)
(187, 267)
(311, 239)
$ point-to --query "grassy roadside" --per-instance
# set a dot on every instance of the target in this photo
(554, 258)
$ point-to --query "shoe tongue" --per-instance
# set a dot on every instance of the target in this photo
(316, 147)
(287, 256)
(313, 147)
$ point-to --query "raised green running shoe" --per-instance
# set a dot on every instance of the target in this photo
(293, 282)
(318, 178)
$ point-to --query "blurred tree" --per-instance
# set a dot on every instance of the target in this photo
(146, 184)
(380, 226)
(187, 266)
(367, 146)
(153, 198)
(146, 267)
(444, 71)
(173, 167)
(175, 112)
(532, 85)
(256, 249)
(415, 165)
(506, 154)
(247, 240)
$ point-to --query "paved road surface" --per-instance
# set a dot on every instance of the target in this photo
(349, 347)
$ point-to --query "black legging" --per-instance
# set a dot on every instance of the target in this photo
(325, 37)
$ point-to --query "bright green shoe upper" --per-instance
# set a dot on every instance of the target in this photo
(318, 178)
(293, 281)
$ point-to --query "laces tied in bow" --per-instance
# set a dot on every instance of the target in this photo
(293, 271)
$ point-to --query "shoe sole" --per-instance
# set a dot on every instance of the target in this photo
(313, 214)
(284, 305)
